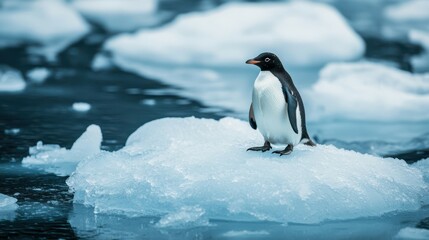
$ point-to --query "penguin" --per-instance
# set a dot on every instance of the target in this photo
(277, 110)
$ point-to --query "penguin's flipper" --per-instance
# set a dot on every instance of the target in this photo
(292, 104)
(252, 121)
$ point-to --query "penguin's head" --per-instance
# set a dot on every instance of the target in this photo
(266, 61)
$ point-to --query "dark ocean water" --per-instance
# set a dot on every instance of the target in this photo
(44, 112)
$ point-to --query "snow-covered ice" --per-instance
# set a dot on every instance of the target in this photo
(119, 15)
(7, 203)
(11, 80)
(81, 106)
(226, 37)
(368, 91)
(174, 164)
(410, 233)
(54, 159)
(38, 75)
(405, 16)
(48, 26)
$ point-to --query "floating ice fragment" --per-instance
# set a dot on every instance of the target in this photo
(148, 102)
(12, 131)
(60, 161)
(38, 75)
(245, 234)
(368, 91)
(48, 26)
(170, 164)
(81, 107)
(7, 203)
(185, 217)
(11, 80)
(410, 233)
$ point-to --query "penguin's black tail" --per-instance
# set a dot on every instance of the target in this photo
(306, 140)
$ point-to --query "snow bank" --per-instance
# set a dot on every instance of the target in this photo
(54, 159)
(176, 164)
(11, 80)
(368, 91)
(119, 15)
(48, 25)
(404, 16)
(7, 203)
(412, 233)
(303, 32)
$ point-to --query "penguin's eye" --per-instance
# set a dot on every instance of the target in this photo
(267, 59)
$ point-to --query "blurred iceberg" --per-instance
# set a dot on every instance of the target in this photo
(54, 159)
(48, 26)
(302, 32)
(119, 15)
(186, 168)
(368, 92)
(405, 16)
(11, 80)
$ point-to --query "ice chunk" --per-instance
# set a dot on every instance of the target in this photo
(38, 75)
(404, 16)
(173, 163)
(12, 131)
(11, 80)
(225, 37)
(48, 25)
(185, 217)
(420, 63)
(81, 107)
(7, 203)
(368, 91)
(54, 159)
(412, 233)
(119, 15)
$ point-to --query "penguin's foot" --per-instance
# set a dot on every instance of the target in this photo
(266, 147)
(286, 151)
(310, 143)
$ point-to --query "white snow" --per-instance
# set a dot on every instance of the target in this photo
(11, 80)
(119, 15)
(38, 75)
(368, 91)
(170, 165)
(410, 233)
(404, 16)
(54, 159)
(81, 106)
(302, 32)
(7, 203)
(48, 26)
(420, 62)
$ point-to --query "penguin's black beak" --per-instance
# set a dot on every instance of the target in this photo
(252, 61)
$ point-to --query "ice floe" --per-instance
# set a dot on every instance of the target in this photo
(48, 26)
(119, 15)
(38, 75)
(405, 16)
(7, 203)
(368, 91)
(11, 80)
(54, 159)
(81, 106)
(302, 32)
(184, 168)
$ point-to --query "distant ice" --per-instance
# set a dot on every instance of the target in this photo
(11, 80)
(410, 233)
(148, 102)
(60, 161)
(245, 234)
(368, 92)
(12, 131)
(172, 164)
(7, 203)
(81, 106)
(119, 15)
(420, 62)
(38, 75)
(405, 16)
(48, 26)
(225, 37)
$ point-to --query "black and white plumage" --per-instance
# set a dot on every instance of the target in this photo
(277, 109)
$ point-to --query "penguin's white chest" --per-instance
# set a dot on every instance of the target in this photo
(270, 110)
